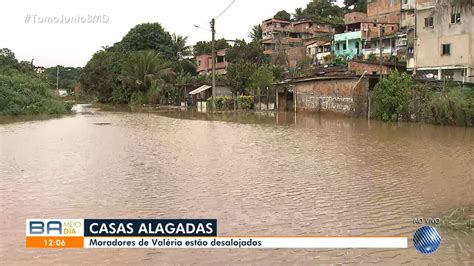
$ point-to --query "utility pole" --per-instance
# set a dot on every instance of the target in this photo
(380, 49)
(57, 78)
(213, 30)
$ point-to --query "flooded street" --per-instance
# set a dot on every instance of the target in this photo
(258, 175)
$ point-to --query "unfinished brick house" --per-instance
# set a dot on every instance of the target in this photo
(284, 40)
(204, 63)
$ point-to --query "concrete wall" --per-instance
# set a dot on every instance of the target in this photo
(429, 41)
(345, 96)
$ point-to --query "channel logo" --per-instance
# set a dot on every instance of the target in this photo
(427, 240)
(55, 227)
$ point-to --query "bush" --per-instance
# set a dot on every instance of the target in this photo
(450, 106)
(26, 94)
(153, 94)
(138, 98)
(372, 57)
(335, 60)
(222, 102)
(245, 102)
(391, 97)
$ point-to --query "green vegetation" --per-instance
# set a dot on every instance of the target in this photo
(322, 11)
(449, 106)
(23, 92)
(243, 52)
(238, 76)
(372, 57)
(399, 97)
(261, 79)
(461, 219)
(245, 102)
(335, 60)
(140, 69)
(201, 47)
(256, 34)
(391, 97)
(283, 15)
(221, 102)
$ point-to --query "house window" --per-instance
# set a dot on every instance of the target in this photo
(446, 49)
(456, 18)
(428, 22)
(337, 46)
(344, 47)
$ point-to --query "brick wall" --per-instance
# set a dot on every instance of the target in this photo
(345, 96)
(354, 17)
(386, 11)
(372, 68)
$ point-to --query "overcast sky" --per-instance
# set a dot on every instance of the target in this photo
(73, 44)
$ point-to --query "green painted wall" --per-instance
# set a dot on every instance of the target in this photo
(346, 44)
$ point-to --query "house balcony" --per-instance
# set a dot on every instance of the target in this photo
(376, 51)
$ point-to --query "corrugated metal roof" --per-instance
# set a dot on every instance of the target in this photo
(200, 89)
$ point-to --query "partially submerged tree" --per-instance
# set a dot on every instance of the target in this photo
(238, 76)
(261, 79)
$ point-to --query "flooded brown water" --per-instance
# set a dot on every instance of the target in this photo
(257, 174)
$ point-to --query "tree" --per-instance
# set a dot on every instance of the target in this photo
(303, 68)
(283, 15)
(243, 52)
(391, 96)
(148, 36)
(299, 14)
(358, 5)
(143, 68)
(203, 47)
(256, 34)
(68, 76)
(261, 79)
(180, 49)
(181, 55)
(322, 11)
(278, 72)
(238, 76)
(100, 76)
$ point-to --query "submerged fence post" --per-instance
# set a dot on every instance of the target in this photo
(276, 98)
(268, 99)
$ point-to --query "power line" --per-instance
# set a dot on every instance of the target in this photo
(222, 13)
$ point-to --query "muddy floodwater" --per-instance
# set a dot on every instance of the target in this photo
(257, 174)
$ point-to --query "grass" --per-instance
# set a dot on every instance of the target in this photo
(460, 219)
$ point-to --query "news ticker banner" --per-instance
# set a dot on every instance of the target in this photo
(175, 233)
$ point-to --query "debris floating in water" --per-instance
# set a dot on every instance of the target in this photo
(102, 124)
